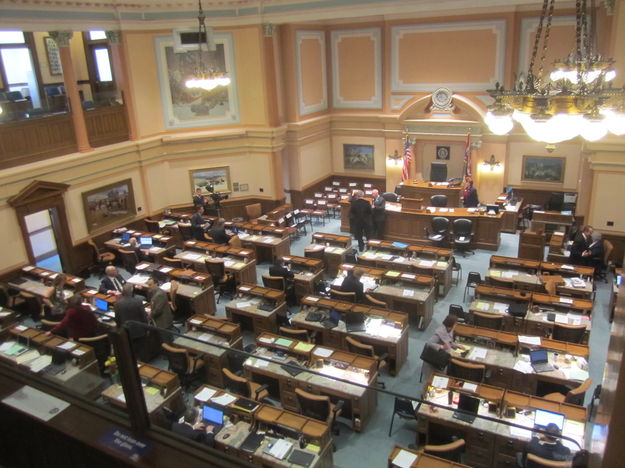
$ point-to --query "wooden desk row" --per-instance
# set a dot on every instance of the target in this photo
(419, 459)
(307, 271)
(240, 263)
(535, 266)
(244, 308)
(425, 190)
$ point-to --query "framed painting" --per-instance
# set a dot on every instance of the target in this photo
(54, 57)
(218, 177)
(194, 107)
(543, 169)
(358, 157)
(109, 204)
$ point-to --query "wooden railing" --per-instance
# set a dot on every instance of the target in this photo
(106, 125)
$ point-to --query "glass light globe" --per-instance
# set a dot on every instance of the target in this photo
(614, 121)
(537, 130)
(498, 124)
(563, 127)
(593, 129)
(557, 75)
(609, 75)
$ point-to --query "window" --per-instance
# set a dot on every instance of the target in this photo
(97, 35)
(103, 64)
(98, 56)
(16, 66)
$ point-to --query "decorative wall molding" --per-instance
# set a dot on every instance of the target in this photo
(375, 102)
(300, 37)
(526, 39)
(397, 101)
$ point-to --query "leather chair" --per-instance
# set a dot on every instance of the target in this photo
(575, 396)
(319, 407)
(437, 234)
(462, 235)
(466, 370)
(243, 386)
(370, 300)
(536, 461)
(152, 226)
(253, 211)
(298, 334)
(356, 347)
(223, 282)
(182, 363)
(129, 260)
(439, 201)
(390, 197)
(186, 231)
(404, 409)
(473, 281)
(342, 296)
(458, 311)
(235, 241)
(486, 320)
(570, 333)
(451, 451)
(274, 282)
(101, 347)
(101, 258)
(172, 262)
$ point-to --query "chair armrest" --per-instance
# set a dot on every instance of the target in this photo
(338, 407)
(260, 389)
(383, 357)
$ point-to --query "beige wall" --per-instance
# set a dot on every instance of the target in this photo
(455, 165)
(606, 203)
(315, 161)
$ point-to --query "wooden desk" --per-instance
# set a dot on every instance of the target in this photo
(423, 460)
(243, 309)
(425, 190)
(511, 216)
(513, 263)
(74, 282)
(567, 270)
(514, 279)
(387, 331)
(8, 318)
(360, 402)
(307, 272)
(409, 226)
(156, 253)
(266, 247)
(582, 306)
(335, 247)
(163, 389)
(242, 269)
(334, 240)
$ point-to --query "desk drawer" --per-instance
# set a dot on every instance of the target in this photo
(505, 461)
(480, 439)
(479, 458)
(510, 447)
(288, 385)
(289, 401)
(501, 377)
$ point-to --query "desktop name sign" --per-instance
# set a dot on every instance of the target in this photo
(125, 443)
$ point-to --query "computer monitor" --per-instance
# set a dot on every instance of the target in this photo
(543, 418)
(145, 241)
(101, 304)
(468, 403)
(538, 356)
(492, 209)
(438, 172)
(125, 237)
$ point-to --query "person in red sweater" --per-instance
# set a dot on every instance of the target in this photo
(79, 321)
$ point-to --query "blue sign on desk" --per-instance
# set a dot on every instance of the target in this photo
(125, 443)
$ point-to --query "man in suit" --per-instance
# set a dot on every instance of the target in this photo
(218, 232)
(580, 250)
(113, 282)
(192, 430)
(360, 218)
(279, 269)
(160, 311)
(198, 224)
(198, 198)
(352, 283)
(548, 446)
(127, 308)
(469, 196)
(379, 213)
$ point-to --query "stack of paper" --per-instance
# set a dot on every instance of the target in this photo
(530, 340)
(223, 400)
(477, 353)
(280, 449)
(404, 459)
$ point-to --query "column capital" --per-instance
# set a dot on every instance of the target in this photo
(268, 29)
(61, 37)
(114, 37)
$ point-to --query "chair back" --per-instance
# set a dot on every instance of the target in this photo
(577, 395)
(96, 250)
(534, 461)
(570, 333)
(295, 333)
(178, 359)
(474, 279)
(317, 254)
(438, 200)
(607, 250)
(440, 224)
(152, 226)
(234, 383)
(101, 347)
(356, 347)
(313, 406)
(462, 227)
(129, 259)
(466, 371)
(404, 408)
(343, 296)
(274, 282)
(369, 299)
(216, 267)
(254, 210)
(390, 197)
(172, 262)
(485, 320)
(47, 325)
(235, 241)
(438, 171)
(451, 451)
(186, 231)
(458, 311)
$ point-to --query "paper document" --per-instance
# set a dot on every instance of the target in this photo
(40, 363)
(280, 448)
(266, 340)
(312, 299)
(323, 352)
(205, 394)
(478, 353)
(427, 263)
(223, 400)
(566, 300)
(521, 433)
(501, 307)
(521, 365)
(67, 345)
(440, 382)
(6, 346)
(562, 318)
(29, 356)
(471, 387)
(481, 305)
(404, 459)
(408, 293)
(530, 340)
(305, 347)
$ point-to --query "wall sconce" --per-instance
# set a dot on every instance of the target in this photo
(491, 165)
(394, 160)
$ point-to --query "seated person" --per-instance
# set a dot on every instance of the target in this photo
(136, 248)
(188, 427)
(113, 282)
(79, 321)
(279, 269)
(547, 446)
(218, 232)
(352, 283)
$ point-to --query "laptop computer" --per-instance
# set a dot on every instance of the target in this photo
(301, 458)
(540, 360)
(355, 322)
(125, 237)
(212, 416)
(101, 304)
(314, 316)
(470, 405)
(543, 418)
(333, 320)
(59, 356)
(146, 242)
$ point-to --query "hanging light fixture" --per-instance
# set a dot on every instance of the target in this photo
(206, 78)
(575, 100)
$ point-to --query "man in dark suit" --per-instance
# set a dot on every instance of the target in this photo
(198, 198)
(360, 218)
(198, 224)
(548, 446)
(352, 283)
(469, 196)
(278, 269)
(160, 311)
(127, 308)
(218, 232)
(580, 250)
(192, 430)
(113, 282)
(379, 213)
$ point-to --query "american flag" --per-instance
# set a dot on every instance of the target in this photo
(407, 158)
(467, 157)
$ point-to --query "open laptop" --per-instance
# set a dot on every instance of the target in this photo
(543, 418)
(145, 242)
(101, 304)
(355, 322)
(540, 360)
(125, 237)
(59, 357)
(212, 416)
(333, 320)
(468, 404)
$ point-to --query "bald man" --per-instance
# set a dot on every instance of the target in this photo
(113, 282)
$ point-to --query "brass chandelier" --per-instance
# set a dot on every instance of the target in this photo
(575, 100)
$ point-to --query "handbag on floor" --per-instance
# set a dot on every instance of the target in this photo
(436, 358)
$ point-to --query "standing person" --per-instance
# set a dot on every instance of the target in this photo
(113, 282)
(160, 311)
(547, 446)
(79, 321)
(127, 308)
(360, 218)
(580, 250)
(469, 196)
(198, 224)
(279, 269)
(198, 198)
(443, 338)
(379, 214)
(55, 303)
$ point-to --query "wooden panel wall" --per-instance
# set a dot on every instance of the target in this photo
(106, 125)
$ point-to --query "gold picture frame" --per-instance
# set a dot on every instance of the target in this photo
(109, 204)
(547, 169)
(219, 177)
(54, 56)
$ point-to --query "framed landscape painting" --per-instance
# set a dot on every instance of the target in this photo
(218, 177)
(543, 169)
(358, 157)
(109, 204)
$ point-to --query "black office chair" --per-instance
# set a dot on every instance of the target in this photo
(570, 333)
(439, 201)
(186, 231)
(466, 370)
(473, 281)
(299, 334)
(404, 409)
(462, 235)
(129, 260)
(342, 296)
(575, 396)
(274, 282)
(456, 267)
(437, 234)
(485, 320)
(101, 347)
(152, 226)
(452, 451)
(458, 311)
(390, 197)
